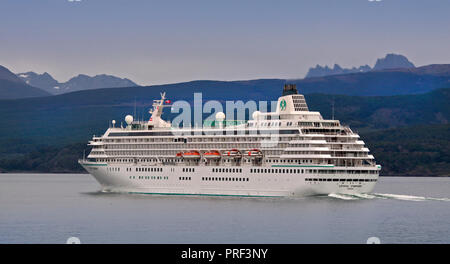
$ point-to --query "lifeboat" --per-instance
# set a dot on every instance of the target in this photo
(193, 154)
(256, 153)
(232, 153)
(213, 154)
(179, 155)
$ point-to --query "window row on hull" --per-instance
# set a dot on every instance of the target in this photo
(339, 180)
(193, 133)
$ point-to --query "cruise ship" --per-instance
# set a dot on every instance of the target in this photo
(289, 152)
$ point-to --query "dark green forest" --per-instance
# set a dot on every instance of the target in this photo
(406, 151)
(412, 151)
(408, 134)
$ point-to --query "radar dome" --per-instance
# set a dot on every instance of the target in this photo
(113, 122)
(256, 114)
(220, 116)
(129, 119)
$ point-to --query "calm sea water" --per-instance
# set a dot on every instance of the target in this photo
(50, 208)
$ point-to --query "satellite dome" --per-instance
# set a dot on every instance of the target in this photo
(220, 116)
(113, 122)
(256, 114)
(129, 119)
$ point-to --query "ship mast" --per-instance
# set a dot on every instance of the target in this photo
(157, 110)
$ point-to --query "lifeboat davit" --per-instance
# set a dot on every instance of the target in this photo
(213, 154)
(193, 154)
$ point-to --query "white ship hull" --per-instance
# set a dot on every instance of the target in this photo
(173, 181)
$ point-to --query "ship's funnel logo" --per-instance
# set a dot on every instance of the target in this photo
(283, 105)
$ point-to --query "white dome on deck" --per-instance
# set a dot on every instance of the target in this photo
(129, 119)
(256, 114)
(220, 116)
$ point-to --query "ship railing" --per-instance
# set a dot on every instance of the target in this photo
(223, 124)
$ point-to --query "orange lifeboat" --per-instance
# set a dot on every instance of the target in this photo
(193, 154)
(254, 153)
(213, 154)
(232, 153)
(179, 155)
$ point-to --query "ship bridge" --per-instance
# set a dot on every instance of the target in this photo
(291, 105)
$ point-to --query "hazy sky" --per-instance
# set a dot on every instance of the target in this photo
(153, 42)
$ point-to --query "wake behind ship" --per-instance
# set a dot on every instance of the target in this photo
(289, 152)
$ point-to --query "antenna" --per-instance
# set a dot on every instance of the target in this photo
(135, 107)
(332, 109)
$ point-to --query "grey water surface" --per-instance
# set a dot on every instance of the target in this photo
(50, 208)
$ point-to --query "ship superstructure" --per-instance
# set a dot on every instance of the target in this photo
(289, 152)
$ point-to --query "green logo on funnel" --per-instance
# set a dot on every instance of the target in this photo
(283, 105)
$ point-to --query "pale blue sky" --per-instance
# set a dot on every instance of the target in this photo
(153, 42)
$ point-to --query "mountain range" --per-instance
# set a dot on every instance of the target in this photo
(401, 111)
(379, 82)
(80, 82)
(49, 133)
(12, 87)
(320, 71)
(31, 84)
(373, 83)
(390, 61)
